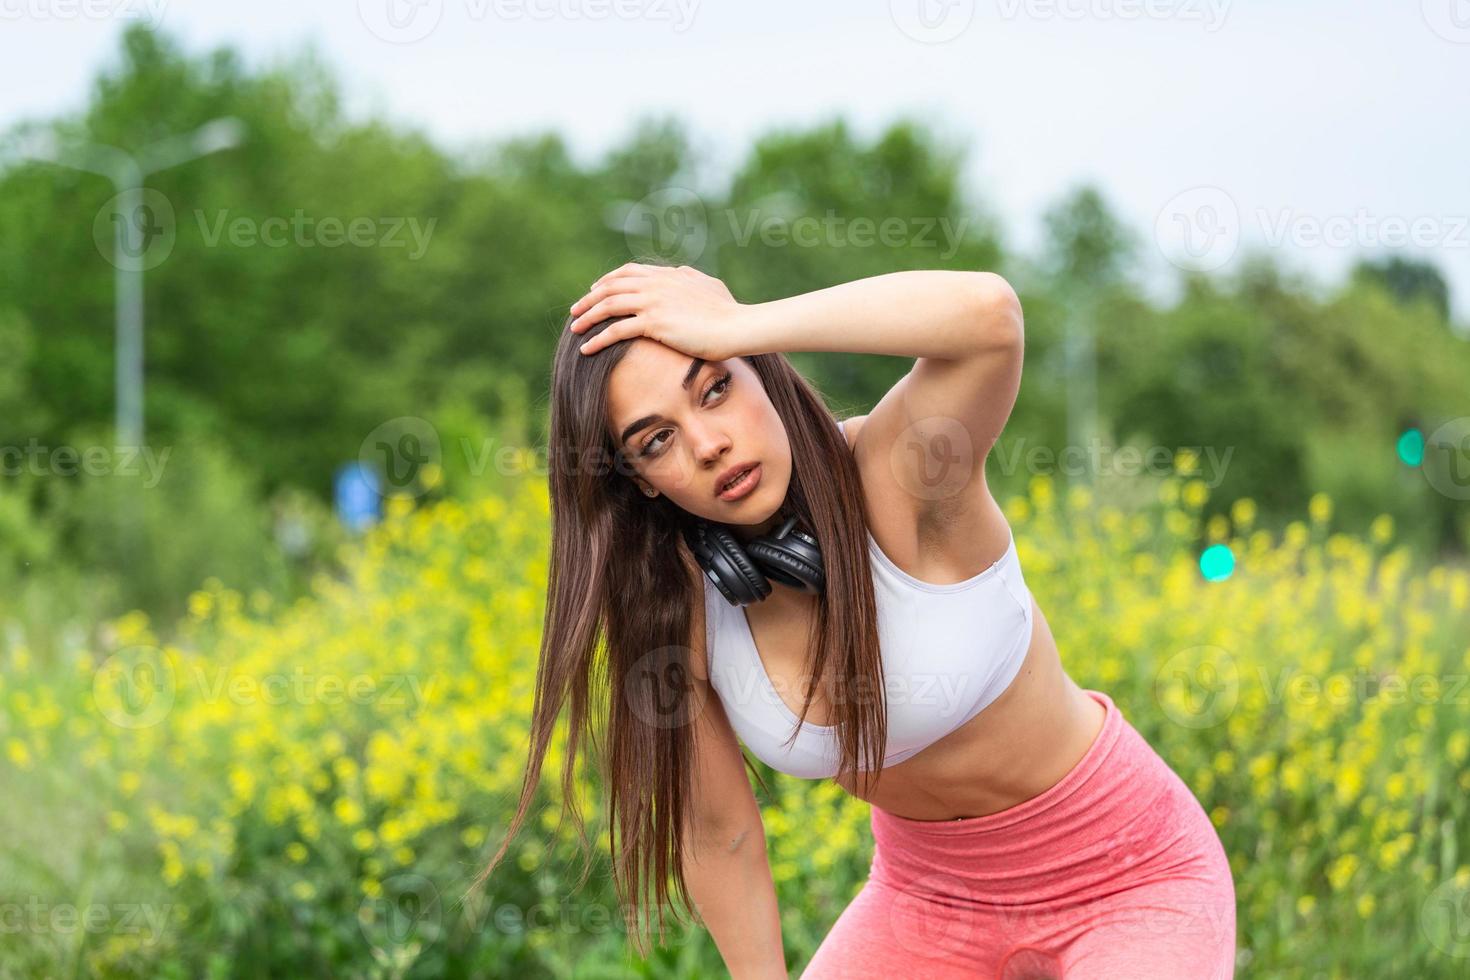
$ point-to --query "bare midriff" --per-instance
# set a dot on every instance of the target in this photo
(1018, 747)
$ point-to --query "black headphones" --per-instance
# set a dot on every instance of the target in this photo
(790, 556)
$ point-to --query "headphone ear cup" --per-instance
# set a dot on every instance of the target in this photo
(727, 565)
(791, 560)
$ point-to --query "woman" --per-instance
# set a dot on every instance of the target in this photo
(1022, 827)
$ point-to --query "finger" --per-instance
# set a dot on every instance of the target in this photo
(612, 306)
(628, 269)
(621, 330)
(602, 291)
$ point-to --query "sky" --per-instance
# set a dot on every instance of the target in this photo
(1322, 131)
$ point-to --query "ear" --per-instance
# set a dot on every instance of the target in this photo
(644, 486)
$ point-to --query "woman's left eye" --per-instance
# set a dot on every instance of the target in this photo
(655, 445)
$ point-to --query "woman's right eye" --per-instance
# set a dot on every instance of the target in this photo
(648, 447)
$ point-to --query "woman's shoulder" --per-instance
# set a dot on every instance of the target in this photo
(850, 428)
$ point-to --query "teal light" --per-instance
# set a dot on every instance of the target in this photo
(1217, 562)
(1411, 447)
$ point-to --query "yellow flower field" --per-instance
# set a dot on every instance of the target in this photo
(311, 787)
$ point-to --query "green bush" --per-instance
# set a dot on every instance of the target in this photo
(157, 525)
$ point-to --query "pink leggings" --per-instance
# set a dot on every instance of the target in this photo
(1114, 873)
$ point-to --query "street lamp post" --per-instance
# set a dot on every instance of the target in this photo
(132, 220)
(1081, 374)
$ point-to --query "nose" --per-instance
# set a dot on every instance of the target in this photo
(710, 444)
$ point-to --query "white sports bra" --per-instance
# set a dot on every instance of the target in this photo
(948, 651)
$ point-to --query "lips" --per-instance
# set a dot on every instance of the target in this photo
(733, 474)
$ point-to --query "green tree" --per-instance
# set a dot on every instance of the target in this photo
(1408, 281)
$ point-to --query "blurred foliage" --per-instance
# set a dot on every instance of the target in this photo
(272, 352)
(1408, 280)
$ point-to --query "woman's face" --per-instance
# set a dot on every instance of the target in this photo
(681, 432)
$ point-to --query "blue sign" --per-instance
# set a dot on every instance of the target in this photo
(359, 500)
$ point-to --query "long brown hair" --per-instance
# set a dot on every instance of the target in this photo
(620, 571)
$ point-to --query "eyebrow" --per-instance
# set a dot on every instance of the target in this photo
(634, 426)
